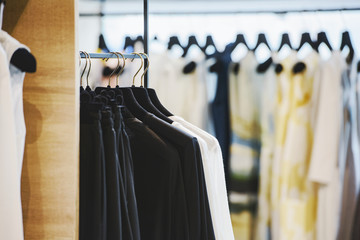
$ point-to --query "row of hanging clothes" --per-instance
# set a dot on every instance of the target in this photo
(287, 127)
(144, 172)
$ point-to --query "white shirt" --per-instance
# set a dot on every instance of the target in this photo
(323, 166)
(214, 178)
(10, 45)
(12, 140)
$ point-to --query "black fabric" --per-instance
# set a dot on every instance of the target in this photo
(114, 225)
(158, 184)
(24, 60)
(220, 106)
(92, 222)
(130, 220)
(356, 223)
(200, 224)
(187, 147)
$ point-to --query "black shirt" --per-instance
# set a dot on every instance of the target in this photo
(92, 223)
(200, 224)
(158, 184)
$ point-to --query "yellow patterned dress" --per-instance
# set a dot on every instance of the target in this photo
(297, 195)
(283, 100)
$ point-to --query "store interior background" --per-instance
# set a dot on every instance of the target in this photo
(223, 20)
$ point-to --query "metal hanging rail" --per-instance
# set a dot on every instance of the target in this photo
(226, 11)
(110, 55)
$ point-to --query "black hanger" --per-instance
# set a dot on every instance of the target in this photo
(263, 67)
(240, 39)
(124, 95)
(128, 42)
(155, 100)
(24, 60)
(346, 41)
(209, 42)
(306, 38)
(174, 40)
(142, 96)
(139, 39)
(262, 40)
(299, 67)
(358, 66)
(102, 44)
(322, 38)
(285, 40)
(192, 41)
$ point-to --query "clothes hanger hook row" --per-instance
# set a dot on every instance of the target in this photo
(122, 68)
(118, 65)
(142, 64)
(146, 69)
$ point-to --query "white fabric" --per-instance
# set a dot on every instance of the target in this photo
(325, 149)
(12, 140)
(323, 165)
(267, 119)
(180, 91)
(214, 178)
(17, 80)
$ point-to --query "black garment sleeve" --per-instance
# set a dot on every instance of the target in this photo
(114, 225)
(92, 222)
(220, 108)
(130, 219)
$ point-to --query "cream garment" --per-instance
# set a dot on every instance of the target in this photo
(324, 157)
(297, 210)
(184, 94)
(267, 120)
(195, 93)
(164, 78)
(11, 225)
(214, 177)
(283, 98)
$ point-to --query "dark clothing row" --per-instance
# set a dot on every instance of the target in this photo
(138, 179)
(220, 108)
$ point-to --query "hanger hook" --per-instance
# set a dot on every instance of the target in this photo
(87, 76)
(118, 65)
(86, 63)
(142, 64)
(146, 69)
(122, 68)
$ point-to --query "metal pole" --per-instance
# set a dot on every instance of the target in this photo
(146, 38)
(181, 12)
